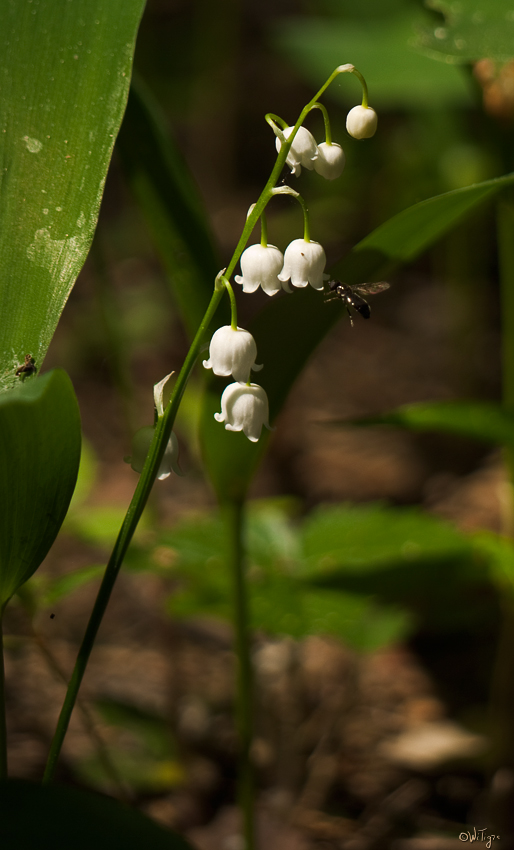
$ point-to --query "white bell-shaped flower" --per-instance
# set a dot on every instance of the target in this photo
(232, 352)
(260, 265)
(331, 160)
(244, 407)
(361, 122)
(141, 444)
(303, 151)
(304, 262)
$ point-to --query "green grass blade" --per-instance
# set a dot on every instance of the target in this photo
(65, 71)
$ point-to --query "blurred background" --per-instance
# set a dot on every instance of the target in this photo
(372, 708)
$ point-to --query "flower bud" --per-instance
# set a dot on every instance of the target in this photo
(232, 352)
(244, 408)
(141, 444)
(303, 151)
(304, 262)
(361, 122)
(331, 160)
(260, 265)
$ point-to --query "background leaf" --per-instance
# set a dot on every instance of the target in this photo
(380, 43)
(472, 30)
(39, 458)
(169, 198)
(482, 421)
(58, 818)
(65, 70)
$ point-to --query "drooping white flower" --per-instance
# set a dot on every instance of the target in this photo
(303, 151)
(361, 122)
(232, 352)
(244, 407)
(331, 160)
(304, 262)
(141, 444)
(260, 265)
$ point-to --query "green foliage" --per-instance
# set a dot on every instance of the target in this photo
(367, 575)
(472, 30)
(381, 43)
(39, 457)
(163, 186)
(59, 818)
(65, 70)
(483, 421)
(145, 757)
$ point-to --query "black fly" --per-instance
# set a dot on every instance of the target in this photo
(353, 296)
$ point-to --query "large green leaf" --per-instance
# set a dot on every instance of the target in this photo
(288, 330)
(39, 459)
(59, 818)
(472, 30)
(483, 421)
(65, 70)
(171, 203)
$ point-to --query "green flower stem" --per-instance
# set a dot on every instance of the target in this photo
(3, 725)
(233, 304)
(233, 513)
(264, 231)
(267, 192)
(161, 436)
(364, 87)
(306, 226)
(326, 119)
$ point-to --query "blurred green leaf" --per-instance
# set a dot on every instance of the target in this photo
(59, 818)
(482, 421)
(169, 198)
(288, 330)
(403, 557)
(398, 75)
(353, 538)
(48, 591)
(144, 756)
(471, 30)
(499, 553)
(280, 602)
(39, 458)
(65, 70)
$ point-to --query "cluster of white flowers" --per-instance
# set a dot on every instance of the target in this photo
(244, 406)
(266, 266)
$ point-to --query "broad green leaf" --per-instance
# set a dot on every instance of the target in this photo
(374, 536)
(61, 818)
(404, 558)
(288, 330)
(280, 602)
(65, 70)
(482, 421)
(169, 198)
(39, 459)
(381, 47)
(472, 30)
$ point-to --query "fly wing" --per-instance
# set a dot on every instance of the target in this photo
(371, 288)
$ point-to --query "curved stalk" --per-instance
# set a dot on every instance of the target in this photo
(155, 454)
